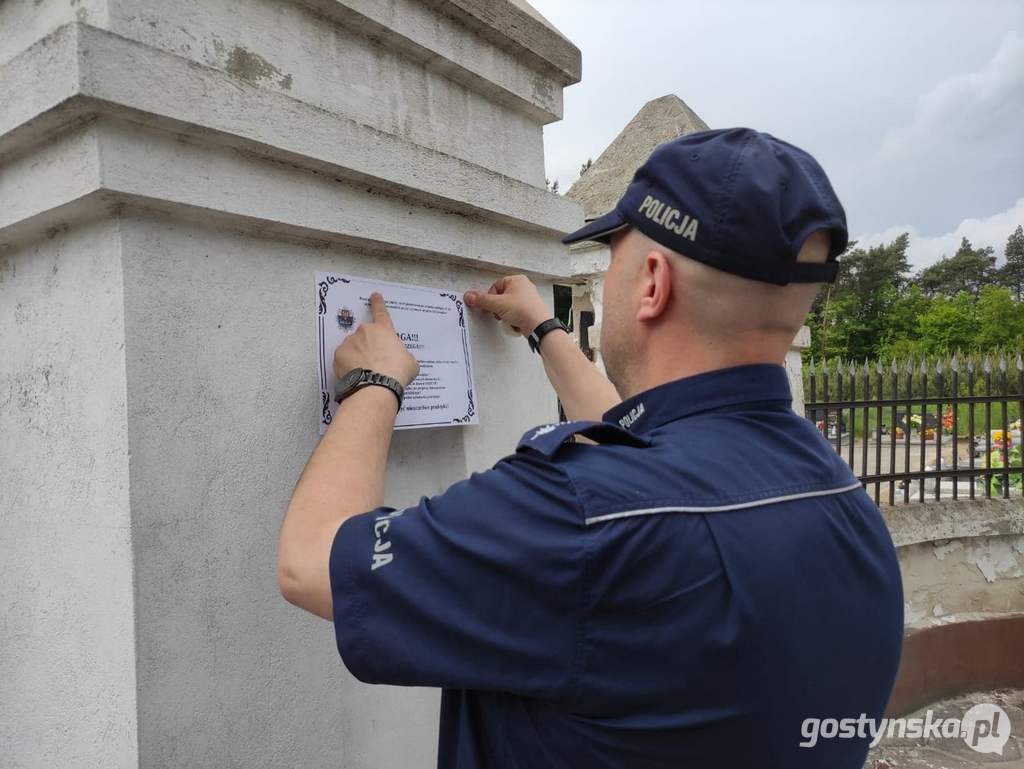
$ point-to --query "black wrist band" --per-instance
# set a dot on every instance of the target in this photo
(542, 329)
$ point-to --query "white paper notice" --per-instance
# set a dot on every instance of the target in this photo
(433, 325)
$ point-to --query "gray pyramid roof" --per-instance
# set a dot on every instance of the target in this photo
(657, 122)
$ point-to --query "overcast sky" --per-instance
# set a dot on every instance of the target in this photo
(915, 109)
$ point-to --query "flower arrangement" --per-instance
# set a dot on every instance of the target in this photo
(947, 418)
(927, 433)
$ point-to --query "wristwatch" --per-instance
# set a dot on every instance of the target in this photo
(543, 328)
(358, 378)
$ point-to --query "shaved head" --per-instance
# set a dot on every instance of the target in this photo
(722, 305)
(660, 304)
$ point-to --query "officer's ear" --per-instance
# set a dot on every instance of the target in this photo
(655, 285)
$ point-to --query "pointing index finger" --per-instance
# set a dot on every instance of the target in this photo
(380, 311)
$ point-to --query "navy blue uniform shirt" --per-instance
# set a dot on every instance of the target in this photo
(683, 594)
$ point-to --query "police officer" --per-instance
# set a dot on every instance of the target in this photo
(685, 574)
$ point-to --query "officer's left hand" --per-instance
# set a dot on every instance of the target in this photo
(376, 346)
(513, 299)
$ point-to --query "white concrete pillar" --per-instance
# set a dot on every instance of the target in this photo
(172, 174)
(794, 367)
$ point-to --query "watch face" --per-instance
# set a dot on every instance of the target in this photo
(349, 379)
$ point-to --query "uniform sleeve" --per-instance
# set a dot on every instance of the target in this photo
(479, 587)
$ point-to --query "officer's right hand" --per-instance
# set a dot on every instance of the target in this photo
(512, 299)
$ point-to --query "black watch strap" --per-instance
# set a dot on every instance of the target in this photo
(543, 328)
(367, 378)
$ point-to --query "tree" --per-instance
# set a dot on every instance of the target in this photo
(851, 317)
(1000, 318)
(865, 272)
(551, 185)
(901, 322)
(949, 324)
(874, 310)
(839, 331)
(586, 166)
(901, 349)
(934, 279)
(1012, 273)
(969, 269)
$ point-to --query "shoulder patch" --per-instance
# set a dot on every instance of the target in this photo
(547, 439)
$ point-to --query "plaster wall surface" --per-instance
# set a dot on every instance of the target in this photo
(287, 47)
(67, 665)
(957, 577)
(296, 50)
(222, 418)
(171, 177)
(960, 559)
(80, 76)
(962, 565)
(23, 23)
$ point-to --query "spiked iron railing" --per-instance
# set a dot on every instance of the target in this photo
(886, 405)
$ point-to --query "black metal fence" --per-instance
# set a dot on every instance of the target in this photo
(938, 429)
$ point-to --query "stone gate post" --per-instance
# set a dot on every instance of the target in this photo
(172, 174)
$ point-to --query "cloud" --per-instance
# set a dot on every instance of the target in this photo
(924, 250)
(939, 85)
(967, 108)
(957, 154)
